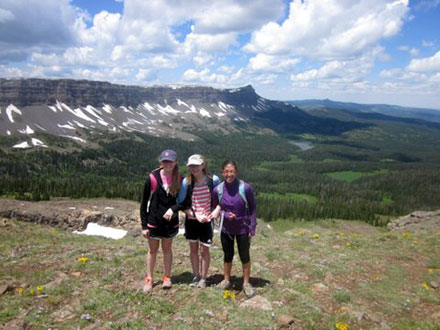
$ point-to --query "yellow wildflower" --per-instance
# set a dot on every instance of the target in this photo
(348, 244)
(301, 232)
(341, 326)
(341, 233)
(232, 295)
(316, 236)
(425, 286)
(430, 270)
(406, 234)
(32, 291)
(40, 288)
(83, 259)
(20, 290)
(226, 294)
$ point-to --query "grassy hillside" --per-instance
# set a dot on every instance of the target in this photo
(320, 275)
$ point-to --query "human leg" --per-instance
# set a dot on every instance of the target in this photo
(153, 245)
(243, 243)
(194, 257)
(228, 250)
(167, 261)
(206, 260)
(151, 262)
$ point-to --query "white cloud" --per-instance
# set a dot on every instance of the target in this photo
(6, 15)
(411, 50)
(428, 44)
(34, 22)
(236, 16)
(269, 63)
(341, 71)
(331, 29)
(210, 43)
(429, 64)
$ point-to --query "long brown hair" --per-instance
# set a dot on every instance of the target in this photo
(175, 186)
(190, 178)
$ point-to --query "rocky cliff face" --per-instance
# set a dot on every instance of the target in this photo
(65, 106)
(80, 93)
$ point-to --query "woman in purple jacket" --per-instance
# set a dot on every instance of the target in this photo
(234, 200)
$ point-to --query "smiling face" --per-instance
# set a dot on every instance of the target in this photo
(229, 173)
(197, 170)
(168, 166)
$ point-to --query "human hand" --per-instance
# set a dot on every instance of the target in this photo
(215, 213)
(146, 233)
(201, 218)
(168, 214)
(231, 216)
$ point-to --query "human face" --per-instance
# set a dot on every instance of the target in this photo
(168, 166)
(229, 173)
(196, 170)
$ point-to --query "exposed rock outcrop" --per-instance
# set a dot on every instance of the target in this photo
(418, 220)
(64, 213)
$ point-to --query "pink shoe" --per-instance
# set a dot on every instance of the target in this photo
(148, 286)
(166, 282)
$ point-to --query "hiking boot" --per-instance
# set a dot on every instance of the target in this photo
(248, 290)
(201, 284)
(148, 286)
(224, 285)
(194, 281)
(166, 282)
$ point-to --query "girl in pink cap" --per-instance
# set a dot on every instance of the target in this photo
(159, 215)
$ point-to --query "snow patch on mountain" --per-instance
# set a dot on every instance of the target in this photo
(107, 108)
(38, 143)
(74, 138)
(10, 109)
(167, 109)
(66, 126)
(27, 130)
(22, 145)
(204, 113)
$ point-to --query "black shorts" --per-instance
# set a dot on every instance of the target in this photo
(196, 231)
(163, 231)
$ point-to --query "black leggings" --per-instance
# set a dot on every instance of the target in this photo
(243, 244)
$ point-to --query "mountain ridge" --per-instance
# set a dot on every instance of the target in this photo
(65, 107)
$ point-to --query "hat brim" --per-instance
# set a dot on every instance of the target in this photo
(194, 163)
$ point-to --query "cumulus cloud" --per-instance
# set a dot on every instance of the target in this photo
(341, 71)
(236, 16)
(331, 29)
(37, 23)
(270, 63)
(429, 64)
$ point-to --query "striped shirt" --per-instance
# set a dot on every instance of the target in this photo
(201, 199)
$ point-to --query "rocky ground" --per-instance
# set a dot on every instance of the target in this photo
(307, 275)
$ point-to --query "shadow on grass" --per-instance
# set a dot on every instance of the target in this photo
(213, 280)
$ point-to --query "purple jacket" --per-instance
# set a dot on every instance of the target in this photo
(245, 221)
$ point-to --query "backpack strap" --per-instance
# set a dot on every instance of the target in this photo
(242, 193)
(183, 190)
(220, 191)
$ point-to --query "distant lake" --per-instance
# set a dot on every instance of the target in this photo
(302, 145)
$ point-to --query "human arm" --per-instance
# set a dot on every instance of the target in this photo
(144, 207)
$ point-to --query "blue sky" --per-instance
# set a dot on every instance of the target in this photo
(365, 51)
